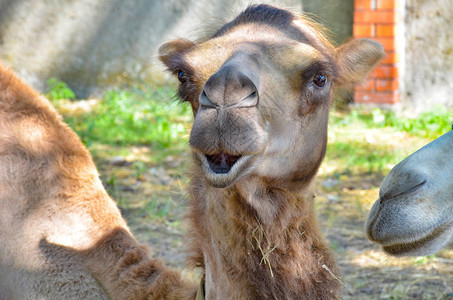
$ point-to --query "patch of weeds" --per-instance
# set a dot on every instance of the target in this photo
(160, 208)
(58, 90)
(398, 292)
(137, 116)
(423, 259)
(429, 124)
(140, 169)
(359, 205)
(110, 185)
(358, 157)
(334, 246)
(121, 202)
(330, 215)
(352, 152)
(359, 283)
(173, 223)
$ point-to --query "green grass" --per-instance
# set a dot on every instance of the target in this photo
(359, 157)
(430, 124)
(57, 90)
(350, 151)
(141, 115)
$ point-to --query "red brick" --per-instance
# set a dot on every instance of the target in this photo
(378, 17)
(386, 71)
(388, 43)
(363, 30)
(386, 4)
(366, 86)
(391, 57)
(386, 30)
(377, 98)
(387, 85)
(363, 4)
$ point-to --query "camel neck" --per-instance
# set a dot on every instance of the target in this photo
(261, 243)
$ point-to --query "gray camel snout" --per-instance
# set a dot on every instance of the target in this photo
(231, 86)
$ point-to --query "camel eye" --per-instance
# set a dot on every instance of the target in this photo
(181, 76)
(320, 80)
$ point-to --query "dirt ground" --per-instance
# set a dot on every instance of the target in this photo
(152, 198)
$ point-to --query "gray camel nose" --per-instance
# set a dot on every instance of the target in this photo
(402, 179)
(231, 86)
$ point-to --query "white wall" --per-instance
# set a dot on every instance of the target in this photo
(428, 70)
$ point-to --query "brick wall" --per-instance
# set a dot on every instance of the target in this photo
(380, 20)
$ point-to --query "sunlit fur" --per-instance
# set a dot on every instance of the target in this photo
(254, 231)
(61, 235)
(414, 212)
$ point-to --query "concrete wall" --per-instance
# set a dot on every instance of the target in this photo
(428, 70)
(87, 43)
(100, 43)
(335, 15)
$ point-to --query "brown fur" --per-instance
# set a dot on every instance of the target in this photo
(61, 235)
(258, 138)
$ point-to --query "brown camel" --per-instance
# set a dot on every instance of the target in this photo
(414, 213)
(260, 89)
(61, 235)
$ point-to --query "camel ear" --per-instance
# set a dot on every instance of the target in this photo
(172, 49)
(356, 59)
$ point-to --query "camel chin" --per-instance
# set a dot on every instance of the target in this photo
(414, 213)
(425, 240)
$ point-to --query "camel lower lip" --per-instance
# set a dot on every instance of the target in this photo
(221, 163)
(402, 248)
(222, 170)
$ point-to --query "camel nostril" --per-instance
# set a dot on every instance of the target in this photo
(204, 100)
(404, 189)
(233, 85)
(249, 101)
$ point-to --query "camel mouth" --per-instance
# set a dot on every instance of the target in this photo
(223, 169)
(222, 163)
(421, 246)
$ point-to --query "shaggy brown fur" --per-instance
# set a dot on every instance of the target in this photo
(260, 90)
(61, 235)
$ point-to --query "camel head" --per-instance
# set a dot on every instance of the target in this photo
(414, 212)
(260, 89)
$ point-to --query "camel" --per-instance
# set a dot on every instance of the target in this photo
(261, 89)
(413, 215)
(61, 235)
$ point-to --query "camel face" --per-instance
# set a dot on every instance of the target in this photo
(414, 212)
(260, 90)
